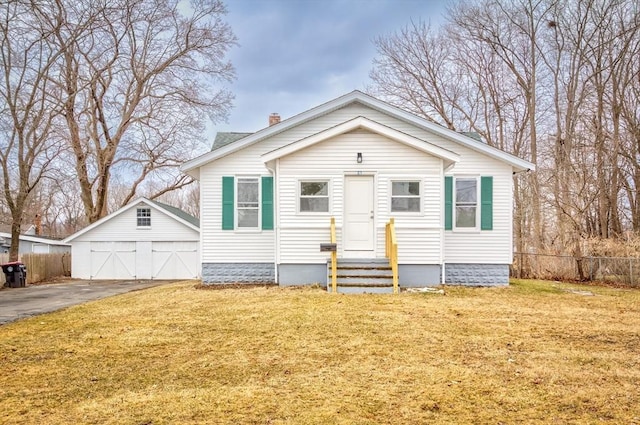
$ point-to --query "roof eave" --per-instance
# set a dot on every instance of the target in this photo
(517, 163)
(447, 156)
(270, 131)
(123, 209)
(36, 239)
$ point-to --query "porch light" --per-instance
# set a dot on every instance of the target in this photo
(359, 158)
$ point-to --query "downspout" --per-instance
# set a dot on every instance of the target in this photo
(276, 220)
(442, 218)
(200, 211)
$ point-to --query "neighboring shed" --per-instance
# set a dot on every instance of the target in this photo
(31, 244)
(142, 240)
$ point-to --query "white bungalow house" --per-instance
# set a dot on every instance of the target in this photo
(267, 198)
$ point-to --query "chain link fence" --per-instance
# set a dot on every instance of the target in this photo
(616, 270)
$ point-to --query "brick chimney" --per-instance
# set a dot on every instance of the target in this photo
(274, 118)
(38, 224)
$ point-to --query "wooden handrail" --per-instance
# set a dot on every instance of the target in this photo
(391, 251)
(334, 258)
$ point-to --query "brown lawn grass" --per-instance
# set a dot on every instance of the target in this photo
(529, 353)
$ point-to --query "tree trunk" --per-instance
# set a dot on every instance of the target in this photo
(14, 250)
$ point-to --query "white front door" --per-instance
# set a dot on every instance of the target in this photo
(359, 229)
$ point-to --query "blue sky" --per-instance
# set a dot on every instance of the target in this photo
(296, 54)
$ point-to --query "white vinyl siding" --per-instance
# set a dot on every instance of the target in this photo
(487, 246)
(124, 228)
(81, 259)
(387, 161)
(420, 235)
(228, 246)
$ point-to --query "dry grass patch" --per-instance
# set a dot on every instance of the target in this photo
(530, 353)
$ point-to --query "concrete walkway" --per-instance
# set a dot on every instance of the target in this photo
(18, 303)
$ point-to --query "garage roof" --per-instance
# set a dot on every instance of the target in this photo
(176, 213)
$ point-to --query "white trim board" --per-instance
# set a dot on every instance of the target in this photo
(447, 156)
(127, 207)
(192, 167)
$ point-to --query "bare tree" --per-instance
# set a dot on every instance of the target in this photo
(413, 71)
(553, 81)
(187, 200)
(628, 132)
(474, 75)
(28, 145)
(140, 78)
(499, 41)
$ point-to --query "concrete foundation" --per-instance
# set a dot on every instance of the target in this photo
(213, 273)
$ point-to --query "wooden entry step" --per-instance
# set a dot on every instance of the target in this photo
(362, 276)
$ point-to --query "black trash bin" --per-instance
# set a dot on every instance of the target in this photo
(15, 274)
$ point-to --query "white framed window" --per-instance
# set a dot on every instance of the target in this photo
(248, 202)
(466, 203)
(314, 196)
(143, 217)
(406, 196)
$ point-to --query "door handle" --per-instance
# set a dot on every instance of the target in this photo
(371, 215)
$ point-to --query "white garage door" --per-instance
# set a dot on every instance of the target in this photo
(113, 260)
(175, 260)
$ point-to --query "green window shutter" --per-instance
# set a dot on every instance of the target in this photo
(267, 203)
(228, 189)
(448, 203)
(486, 199)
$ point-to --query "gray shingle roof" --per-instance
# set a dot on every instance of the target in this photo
(178, 213)
(474, 135)
(225, 138)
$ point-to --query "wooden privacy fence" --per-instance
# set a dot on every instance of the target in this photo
(619, 270)
(41, 267)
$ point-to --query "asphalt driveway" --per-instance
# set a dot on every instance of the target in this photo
(18, 303)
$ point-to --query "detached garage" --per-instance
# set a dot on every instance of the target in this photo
(142, 240)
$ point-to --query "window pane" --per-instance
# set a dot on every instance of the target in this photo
(314, 189)
(248, 191)
(465, 216)
(466, 190)
(248, 218)
(143, 217)
(405, 188)
(405, 204)
(314, 204)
